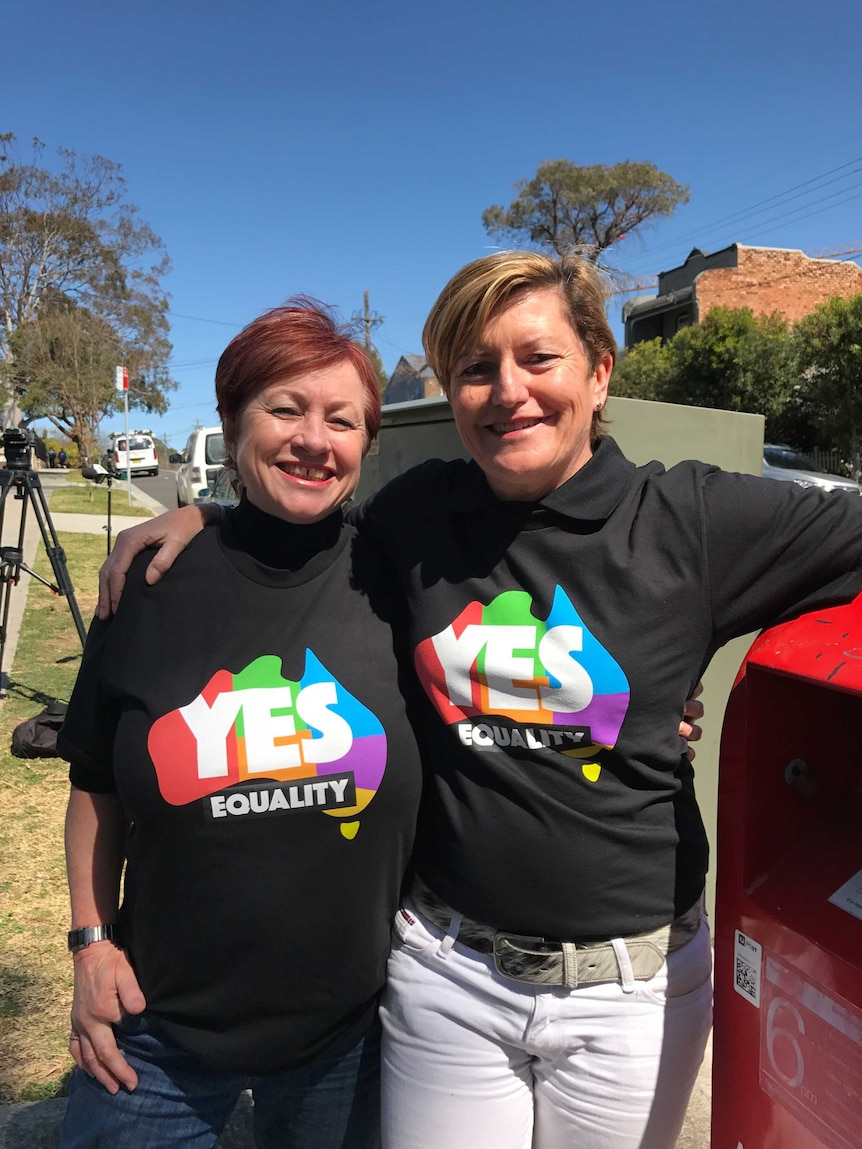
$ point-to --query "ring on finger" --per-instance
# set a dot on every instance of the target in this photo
(73, 1036)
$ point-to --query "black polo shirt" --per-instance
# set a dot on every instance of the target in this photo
(557, 641)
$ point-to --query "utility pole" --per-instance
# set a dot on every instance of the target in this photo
(368, 319)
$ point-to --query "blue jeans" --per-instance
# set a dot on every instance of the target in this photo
(180, 1103)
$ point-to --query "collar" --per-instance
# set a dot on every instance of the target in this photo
(275, 552)
(592, 493)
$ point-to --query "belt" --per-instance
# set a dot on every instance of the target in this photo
(538, 961)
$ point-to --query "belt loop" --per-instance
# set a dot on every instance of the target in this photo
(445, 947)
(627, 977)
(570, 965)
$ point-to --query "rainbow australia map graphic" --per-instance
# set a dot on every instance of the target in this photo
(511, 683)
(255, 744)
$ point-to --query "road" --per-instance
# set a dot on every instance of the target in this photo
(162, 487)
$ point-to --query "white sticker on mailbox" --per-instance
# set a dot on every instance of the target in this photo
(747, 955)
(849, 896)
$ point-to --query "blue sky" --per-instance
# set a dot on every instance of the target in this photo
(331, 148)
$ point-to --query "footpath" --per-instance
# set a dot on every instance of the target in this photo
(36, 1124)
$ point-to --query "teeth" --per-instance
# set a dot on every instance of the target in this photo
(305, 472)
(517, 425)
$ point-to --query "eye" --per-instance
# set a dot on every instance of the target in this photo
(284, 412)
(475, 370)
(342, 424)
(540, 357)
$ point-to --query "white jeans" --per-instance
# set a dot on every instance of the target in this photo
(473, 1060)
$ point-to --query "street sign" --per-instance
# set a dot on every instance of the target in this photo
(122, 377)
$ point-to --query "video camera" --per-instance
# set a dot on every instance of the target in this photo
(18, 446)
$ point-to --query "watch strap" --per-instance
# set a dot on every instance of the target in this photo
(85, 936)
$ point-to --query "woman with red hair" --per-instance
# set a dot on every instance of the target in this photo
(238, 735)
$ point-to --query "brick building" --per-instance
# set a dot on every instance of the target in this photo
(766, 279)
(411, 379)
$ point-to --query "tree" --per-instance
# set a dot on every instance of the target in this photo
(71, 247)
(382, 377)
(734, 361)
(829, 355)
(62, 369)
(643, 372)
(565, 205)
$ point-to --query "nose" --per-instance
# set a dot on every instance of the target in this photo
(313, 435)
(510, 385)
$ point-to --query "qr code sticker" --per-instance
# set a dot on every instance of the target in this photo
(747, 955)
(746, 978)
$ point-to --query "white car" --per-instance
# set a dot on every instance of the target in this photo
(782, 462)
(199, 464)
(139, 455)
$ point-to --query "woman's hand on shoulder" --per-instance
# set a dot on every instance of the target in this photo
(688, 728)
(171, 533)
(106, 989)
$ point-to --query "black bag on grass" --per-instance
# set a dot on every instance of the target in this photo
(36, 737)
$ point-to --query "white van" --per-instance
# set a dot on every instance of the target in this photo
(138, 455)
(200, 464)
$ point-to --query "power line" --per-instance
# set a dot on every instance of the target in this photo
(200, 319)
(753, 209)
(191, 406)
(394, 346)
(180, 363)
(193, 366)
(819, 211)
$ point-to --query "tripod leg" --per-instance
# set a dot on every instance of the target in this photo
(6, 481)
(53, 549)
(8, 576)
(6, 584)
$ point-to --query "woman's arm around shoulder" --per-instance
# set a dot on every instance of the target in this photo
(773, 548)
(171, 533)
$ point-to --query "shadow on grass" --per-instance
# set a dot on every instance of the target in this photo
(21, 690)
(43, 1090)
(14, 986)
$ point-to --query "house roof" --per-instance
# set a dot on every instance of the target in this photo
(655, 304)
(417, 362)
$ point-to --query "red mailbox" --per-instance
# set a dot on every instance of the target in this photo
(788, 942)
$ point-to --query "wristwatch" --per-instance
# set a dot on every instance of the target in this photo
(85, 936)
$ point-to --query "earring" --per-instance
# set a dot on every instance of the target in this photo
(599, 406)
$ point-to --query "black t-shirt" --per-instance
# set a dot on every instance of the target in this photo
(251, 720)
(557, 642)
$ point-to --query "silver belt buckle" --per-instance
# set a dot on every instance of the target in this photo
(532, 960)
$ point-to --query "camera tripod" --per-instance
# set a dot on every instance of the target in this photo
(28, 488)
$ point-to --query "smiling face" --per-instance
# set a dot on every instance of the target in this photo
(298, 444)
(523, 397)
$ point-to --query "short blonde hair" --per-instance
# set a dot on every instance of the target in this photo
(482, 288)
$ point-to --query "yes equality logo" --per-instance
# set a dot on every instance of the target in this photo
(510, 682)
(308, 744)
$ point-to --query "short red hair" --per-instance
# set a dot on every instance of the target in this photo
(287, 341)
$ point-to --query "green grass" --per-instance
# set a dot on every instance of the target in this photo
(35, 969)
(93, 500)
